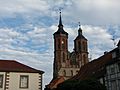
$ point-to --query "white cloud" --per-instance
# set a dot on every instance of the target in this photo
(96, 12)
(36, 45)
(23, 7)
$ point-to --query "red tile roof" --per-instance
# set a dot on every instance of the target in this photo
(14, 66)
(55, 82)
(95, 68)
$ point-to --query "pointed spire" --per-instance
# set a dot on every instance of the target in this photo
(79, 30)
(60, 21)
(60, 27)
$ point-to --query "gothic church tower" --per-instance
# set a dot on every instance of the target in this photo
(67, 64)
(60, 49)
(81, 48)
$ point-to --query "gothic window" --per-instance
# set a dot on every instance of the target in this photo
(84, 46)
(63, 57)
(64, 73)
(24, 81)
(79, 46)
(71, 72)
(58, 43)
(1, 81)
(84, 59)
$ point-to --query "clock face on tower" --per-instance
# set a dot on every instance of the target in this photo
(62, 42)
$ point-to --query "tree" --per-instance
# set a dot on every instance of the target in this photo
(88, 84)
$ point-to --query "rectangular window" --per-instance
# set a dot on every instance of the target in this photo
(24, 80)
(112, 70)
(113, 85)
(119, 83)
(1, 81)
(119, 66)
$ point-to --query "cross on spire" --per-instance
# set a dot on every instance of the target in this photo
(80, 30)
(60, 21)
(79, 24)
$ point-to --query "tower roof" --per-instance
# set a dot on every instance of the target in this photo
(80, 35)
(60, 27)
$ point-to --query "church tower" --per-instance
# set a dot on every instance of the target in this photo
(60, 49)
(81, 48)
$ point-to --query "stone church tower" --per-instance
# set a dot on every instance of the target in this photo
(60, 48)
(67, 63)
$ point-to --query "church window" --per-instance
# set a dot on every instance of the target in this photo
(63, 57)
(64, 73)
(79, 46)
(71, 72)
(84, 46)
(58, 43)
(84, 59)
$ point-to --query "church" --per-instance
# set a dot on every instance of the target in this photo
(67, 64)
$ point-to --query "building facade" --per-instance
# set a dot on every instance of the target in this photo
(112, 76)
(67, 63)
(17, 76)
(105, 69)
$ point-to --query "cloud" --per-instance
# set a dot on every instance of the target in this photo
(95, 12)
(27, 28)
(22, 7)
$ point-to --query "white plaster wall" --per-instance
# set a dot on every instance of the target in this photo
(15, 80)
(3, 73)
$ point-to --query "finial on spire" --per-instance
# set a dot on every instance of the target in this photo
(60, 20)
(79, 24)
(79, 30)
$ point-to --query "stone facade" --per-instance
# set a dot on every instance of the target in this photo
(67, 63)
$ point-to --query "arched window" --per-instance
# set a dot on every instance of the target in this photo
(84, 46)
(71, 72)
(63, 57)
(58, 43)
(79, 46)
(64, 73)
(84, 59)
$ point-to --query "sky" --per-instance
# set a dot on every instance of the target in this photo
(27, 27)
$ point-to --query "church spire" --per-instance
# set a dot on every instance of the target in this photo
(60, 27)
(60, 22)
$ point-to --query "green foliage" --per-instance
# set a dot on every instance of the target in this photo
(88, 84)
